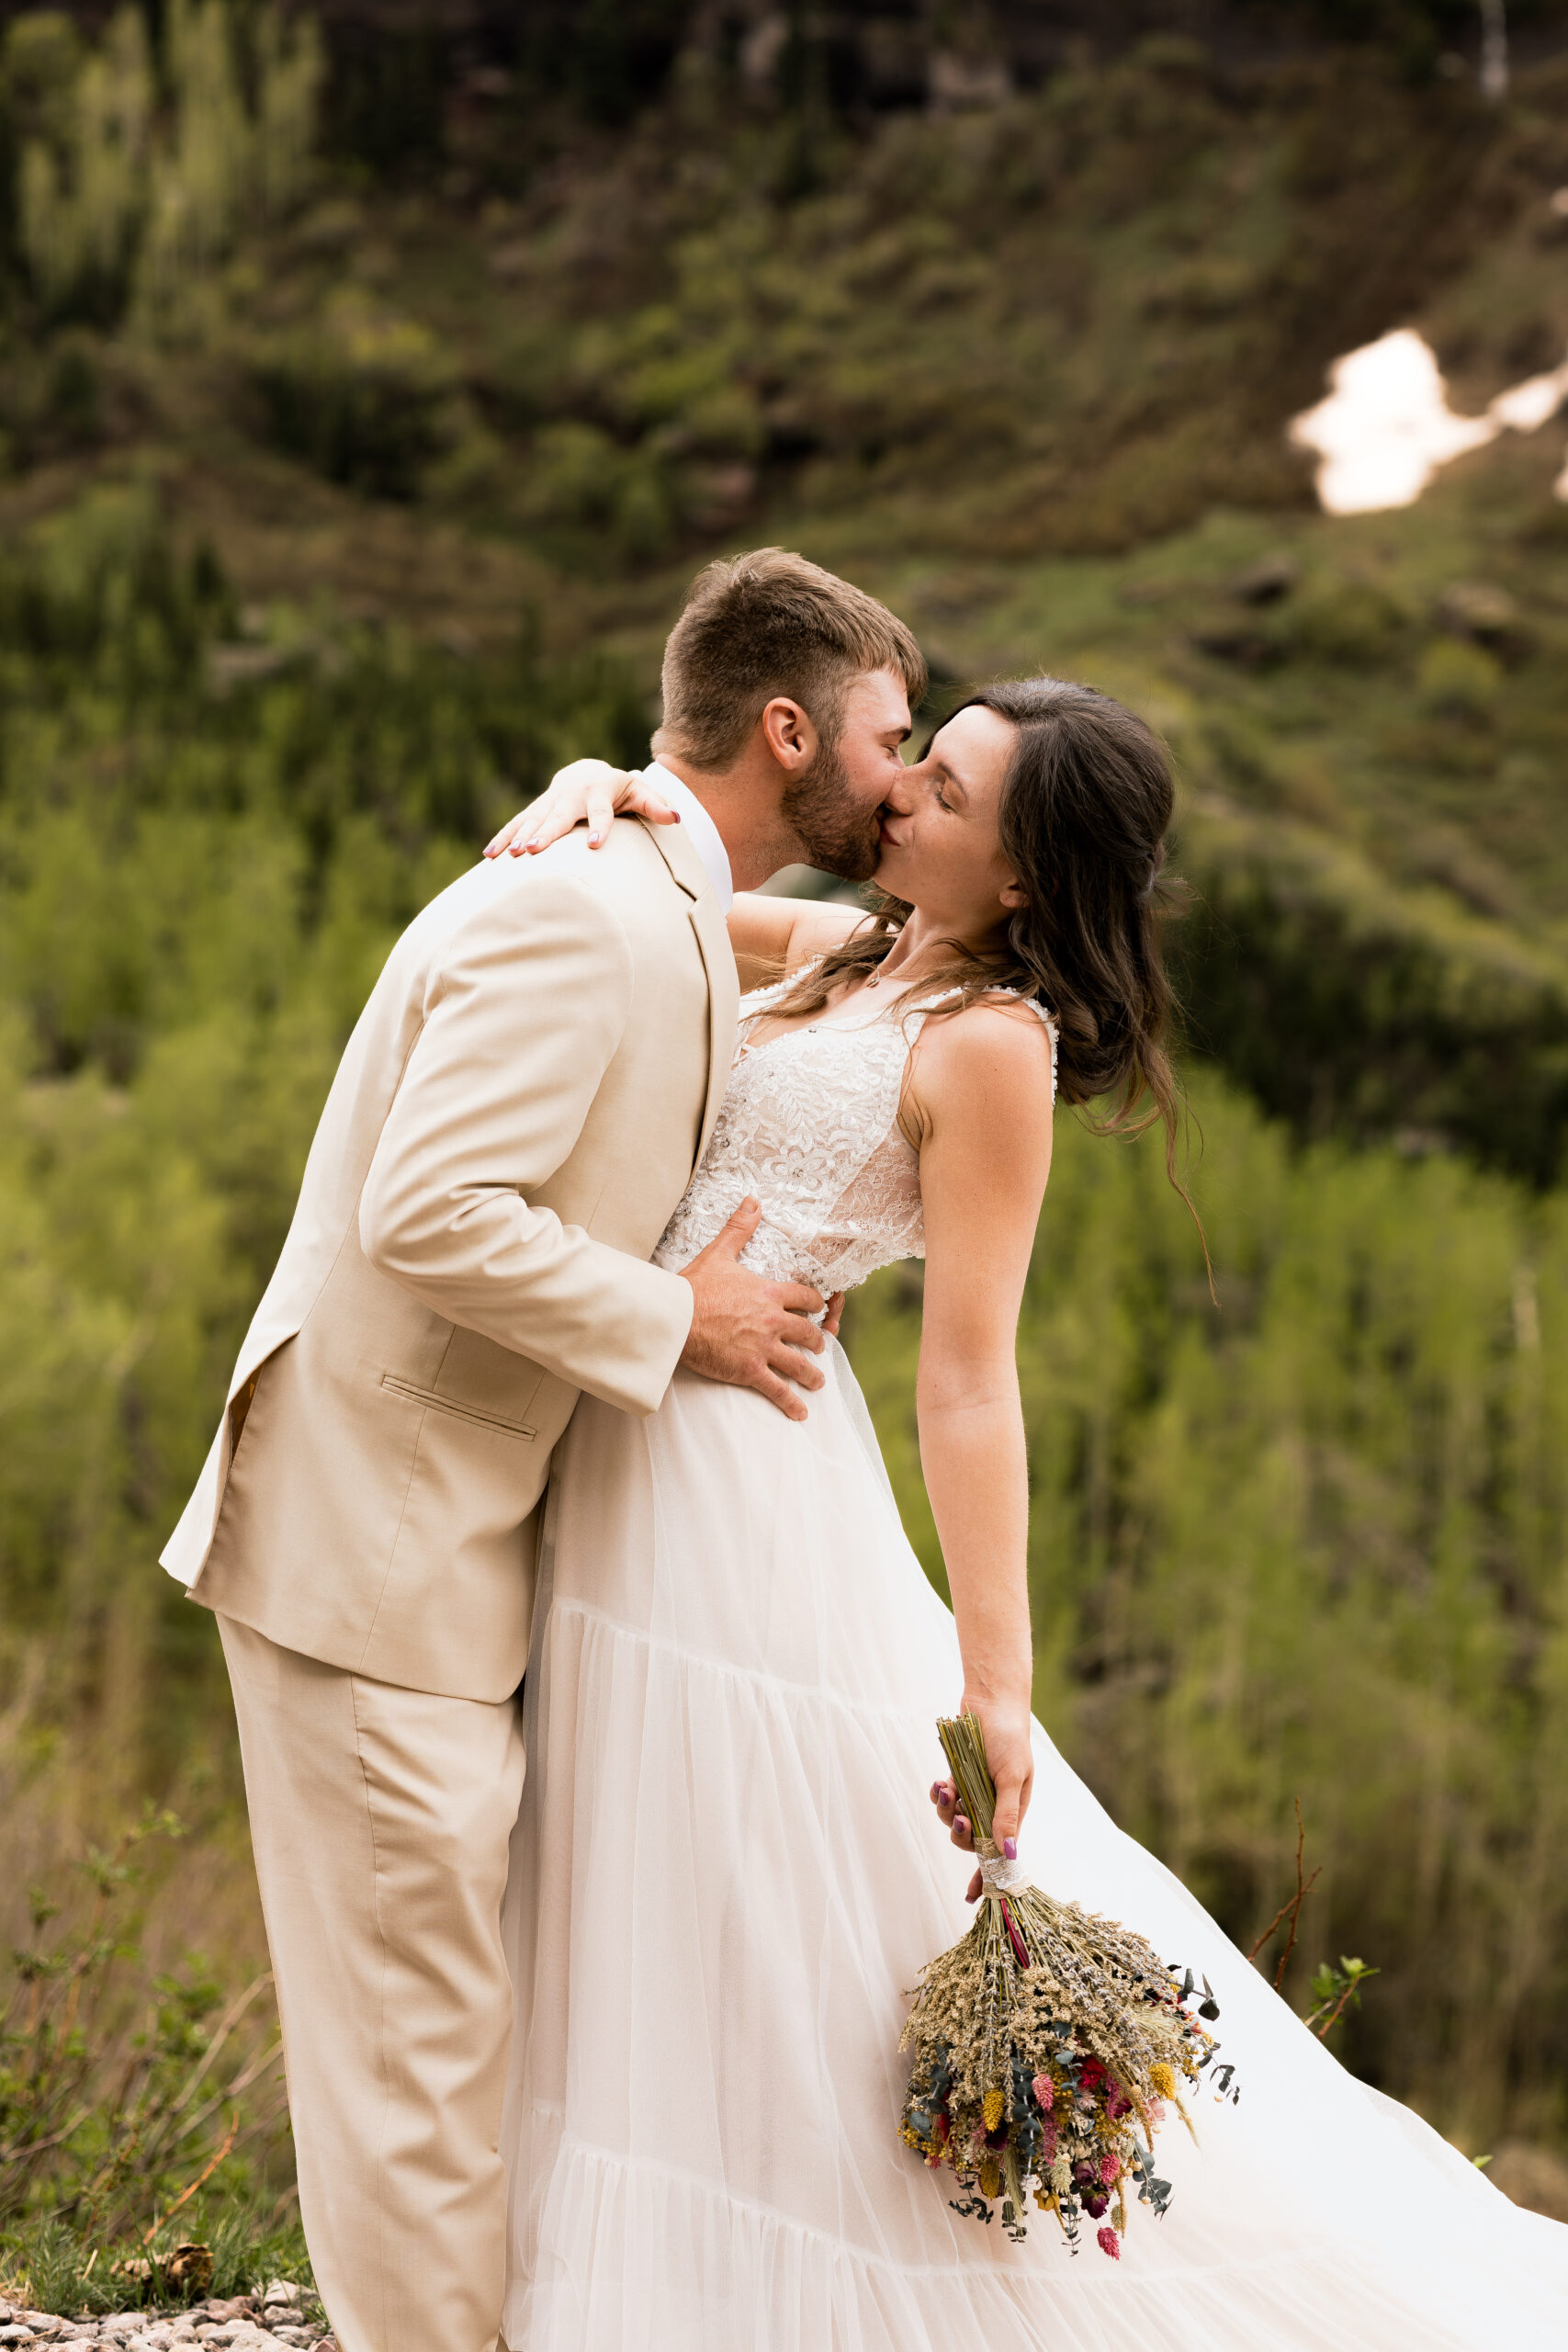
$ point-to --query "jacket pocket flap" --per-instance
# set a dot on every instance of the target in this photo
(433, 1397)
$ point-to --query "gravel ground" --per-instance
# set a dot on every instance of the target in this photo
(284, 2314)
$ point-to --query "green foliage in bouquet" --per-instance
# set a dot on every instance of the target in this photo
(1043, 2040)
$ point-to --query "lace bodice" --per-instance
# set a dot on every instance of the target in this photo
(809, 1127)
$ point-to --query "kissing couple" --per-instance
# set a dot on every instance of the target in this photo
(586, 1682)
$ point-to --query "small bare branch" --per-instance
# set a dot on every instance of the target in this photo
(200, 2180)
(226, 2025)
(1291, 1908)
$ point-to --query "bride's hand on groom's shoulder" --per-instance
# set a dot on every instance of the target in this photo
(589, 792)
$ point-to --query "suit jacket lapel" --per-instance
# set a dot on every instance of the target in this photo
(723, 1004)
(718, 961)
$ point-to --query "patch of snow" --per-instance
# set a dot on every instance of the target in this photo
(1532, 404)
(1386, 425)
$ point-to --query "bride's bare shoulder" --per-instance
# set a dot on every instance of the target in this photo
(986, 1073)
(1008, 1034)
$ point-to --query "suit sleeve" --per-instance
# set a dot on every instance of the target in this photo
(522, 1020)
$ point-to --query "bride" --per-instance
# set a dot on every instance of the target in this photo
(724, 1882)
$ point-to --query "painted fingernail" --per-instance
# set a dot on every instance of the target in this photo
(936, 1797)
(961, 1825)
(1009, 1849)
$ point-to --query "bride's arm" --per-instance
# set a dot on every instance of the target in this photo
(979, 1108)
(765, 932)
(585, 792)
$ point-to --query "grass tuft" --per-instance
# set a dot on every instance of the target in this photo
(47, 2265)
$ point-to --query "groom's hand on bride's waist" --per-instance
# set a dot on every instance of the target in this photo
(752, 1333)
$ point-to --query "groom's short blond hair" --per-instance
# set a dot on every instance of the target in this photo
(766, 624)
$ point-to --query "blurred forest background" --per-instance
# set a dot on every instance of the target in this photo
(371, 381)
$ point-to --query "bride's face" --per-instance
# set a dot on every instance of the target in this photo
(941, 845)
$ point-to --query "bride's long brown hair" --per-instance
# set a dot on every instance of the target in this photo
(1085, 804)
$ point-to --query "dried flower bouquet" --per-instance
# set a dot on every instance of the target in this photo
(1044, 2042)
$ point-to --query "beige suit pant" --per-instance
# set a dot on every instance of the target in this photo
(381, 1819)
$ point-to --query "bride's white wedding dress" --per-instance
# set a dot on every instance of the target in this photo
(727, 1874)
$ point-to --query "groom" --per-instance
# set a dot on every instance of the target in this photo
(516, 1115)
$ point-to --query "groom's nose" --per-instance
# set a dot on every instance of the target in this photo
(899, 797)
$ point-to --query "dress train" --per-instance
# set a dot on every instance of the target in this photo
(725, 1878)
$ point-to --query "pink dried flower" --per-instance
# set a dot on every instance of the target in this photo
(1157, 2111)
(1044, 2090)
(1109, 2243)
(1110, 2167)
(1117, 2102)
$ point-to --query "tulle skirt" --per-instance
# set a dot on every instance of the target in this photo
(726, 1876)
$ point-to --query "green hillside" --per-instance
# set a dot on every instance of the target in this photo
(1024, 368)
(348, 486)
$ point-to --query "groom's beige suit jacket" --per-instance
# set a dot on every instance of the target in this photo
(516, 1115)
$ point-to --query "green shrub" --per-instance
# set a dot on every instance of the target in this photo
(118, 195)
(1458, 681)
(1363, 1009)
(364, 395)
(120, 2095)
(1347, 621)
(572, 473)
(48, 2266)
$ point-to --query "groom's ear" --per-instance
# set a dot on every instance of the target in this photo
(788, 733)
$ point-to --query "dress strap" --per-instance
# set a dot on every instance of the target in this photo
(1048, 1020)
(1052, 1032)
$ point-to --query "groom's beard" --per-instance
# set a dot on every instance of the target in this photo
(833, 833)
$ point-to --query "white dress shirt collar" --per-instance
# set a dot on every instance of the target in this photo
(705, 837)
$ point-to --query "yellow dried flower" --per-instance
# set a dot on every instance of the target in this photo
(993, 2107)
(990, 2179)
(1163, 2077)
